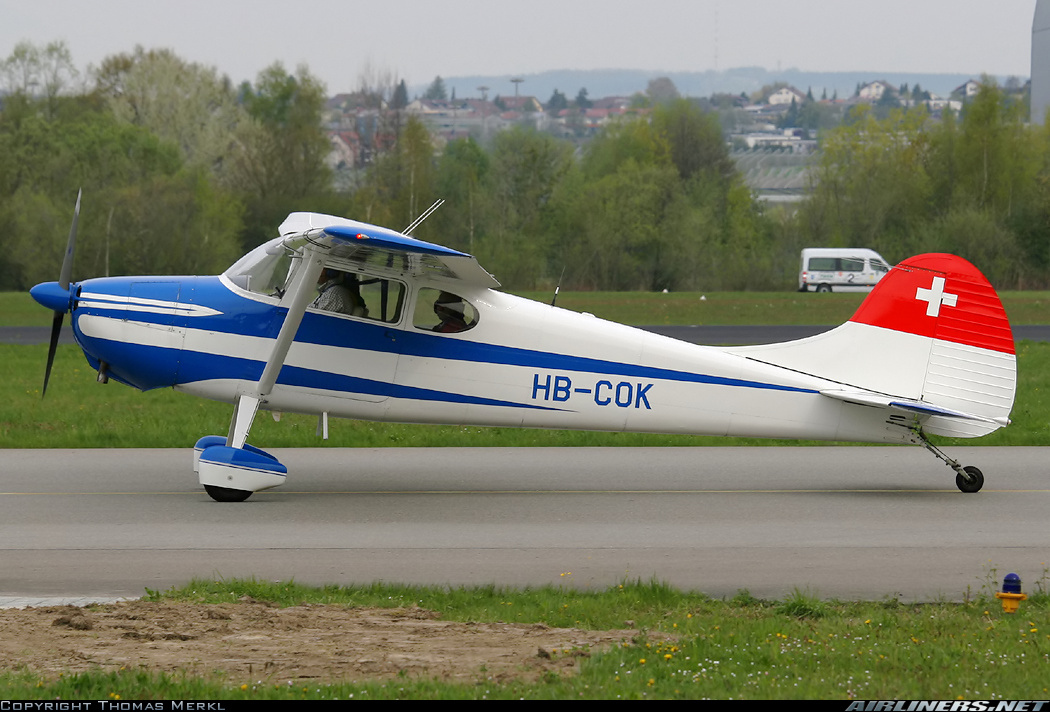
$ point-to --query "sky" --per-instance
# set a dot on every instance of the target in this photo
(342, 41)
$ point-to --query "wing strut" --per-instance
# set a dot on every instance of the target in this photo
(298, 297)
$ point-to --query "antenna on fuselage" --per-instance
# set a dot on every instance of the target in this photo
(426, 213)
(557, 288)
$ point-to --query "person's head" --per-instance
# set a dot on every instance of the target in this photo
(449, 306)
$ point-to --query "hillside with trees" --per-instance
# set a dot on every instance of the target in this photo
(182, 172)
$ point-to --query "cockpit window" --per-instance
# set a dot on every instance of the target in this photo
(443, 312)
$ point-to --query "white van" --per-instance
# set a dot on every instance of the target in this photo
(835, 269)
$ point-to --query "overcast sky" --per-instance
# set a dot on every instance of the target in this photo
(340, 39)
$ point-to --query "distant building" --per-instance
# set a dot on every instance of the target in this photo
(873, 91)
(620, 103)
(524, 104)
(785, 95)
(967, 90)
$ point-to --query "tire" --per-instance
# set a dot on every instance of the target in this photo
(824, 288)
(970, 487)
(225, 494)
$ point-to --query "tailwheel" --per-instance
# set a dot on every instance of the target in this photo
(967, 479)
(975, 481)
(225, 494)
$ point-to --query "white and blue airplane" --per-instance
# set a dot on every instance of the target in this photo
(420, 334)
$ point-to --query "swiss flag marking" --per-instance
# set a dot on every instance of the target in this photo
(935, 297)
(964, 306)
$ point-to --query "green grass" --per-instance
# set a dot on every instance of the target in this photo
(652, 308)
(684, 646)
(753, 308)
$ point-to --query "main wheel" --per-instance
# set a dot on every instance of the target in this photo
(225, 494)
(824, 288)
(976, 480)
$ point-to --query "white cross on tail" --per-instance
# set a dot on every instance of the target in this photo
(935, 297)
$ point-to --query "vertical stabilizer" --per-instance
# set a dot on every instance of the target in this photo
(933, 330)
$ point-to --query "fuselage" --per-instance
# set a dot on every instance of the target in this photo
(523, 364)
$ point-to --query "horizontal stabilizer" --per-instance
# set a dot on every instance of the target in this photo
(910, 406)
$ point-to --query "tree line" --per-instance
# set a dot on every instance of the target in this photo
(976, 184)
(184, 171)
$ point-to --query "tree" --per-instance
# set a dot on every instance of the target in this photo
(278, 163)
(145, 211)
(525, 173)
(182, 102)
(662, 90)
(695, 140)
(582, 102)
(35, 72)
(871, 187)
(436, 91)
(889, 101)
(622, 239)
(994, 158)
(377, 86)
(400, 184)
(635, 140)
(461, 174)
(557, 103)
(400, 99)
(790, 117)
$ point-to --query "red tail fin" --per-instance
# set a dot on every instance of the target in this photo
(941, 297)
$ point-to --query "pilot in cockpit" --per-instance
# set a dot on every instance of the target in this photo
(339, 292)
(451, 311)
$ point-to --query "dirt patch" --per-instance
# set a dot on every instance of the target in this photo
(254, 642)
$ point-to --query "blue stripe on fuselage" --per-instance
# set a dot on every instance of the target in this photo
(197, 366)
(240, 315)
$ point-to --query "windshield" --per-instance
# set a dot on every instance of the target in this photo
(264, 270)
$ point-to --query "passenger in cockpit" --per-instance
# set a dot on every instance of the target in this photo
(339, 292)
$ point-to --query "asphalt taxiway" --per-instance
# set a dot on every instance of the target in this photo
(844, 522)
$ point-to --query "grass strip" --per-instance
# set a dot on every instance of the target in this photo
(687, 646)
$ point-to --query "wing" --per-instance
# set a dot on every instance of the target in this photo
(371, 245)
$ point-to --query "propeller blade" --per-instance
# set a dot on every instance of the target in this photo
(56, 329)
(63, 282)
(67, 260)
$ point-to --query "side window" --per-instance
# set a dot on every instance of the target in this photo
(443, 312)
(359, 295)
(823, 264)
(852, 264)
(383, 298)
(879, 266)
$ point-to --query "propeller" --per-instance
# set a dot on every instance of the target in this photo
(63, 287)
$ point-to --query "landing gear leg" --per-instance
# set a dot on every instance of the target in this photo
(967, 479)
